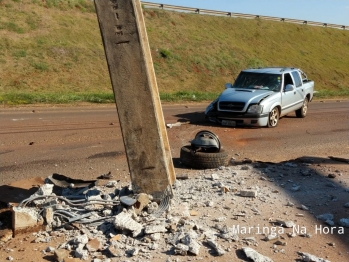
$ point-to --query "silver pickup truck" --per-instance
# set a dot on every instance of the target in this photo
(259, 97)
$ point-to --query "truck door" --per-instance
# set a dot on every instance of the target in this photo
(299, 88)
(289, 99)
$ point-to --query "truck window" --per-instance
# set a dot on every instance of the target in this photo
(297, 78)
(288, 80)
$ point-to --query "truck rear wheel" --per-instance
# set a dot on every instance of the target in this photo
(203, 160)
(302, 112)
(274, 116)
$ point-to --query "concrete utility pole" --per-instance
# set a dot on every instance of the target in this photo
(136, 94)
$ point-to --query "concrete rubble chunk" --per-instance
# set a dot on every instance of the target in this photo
(181, 249)
(133, 252)
(214, 176)
(94, 245)
(152, 207)
(142, 201)
(286, 223)
(151, 229)
(255, 256)
(124, 221)
(181, 210)
(48, 215)
(194, 246)
(60, 255)
(324, 217)
(344, 222)
(115, 251)
(80, 239)
(24, 218)
(220, 251)
(81, 253)
(44, 190)
(248, 193)
(311, 258)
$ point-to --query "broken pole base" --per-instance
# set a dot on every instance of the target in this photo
(136, 94)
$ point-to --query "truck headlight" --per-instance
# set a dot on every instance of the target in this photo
(255, 109)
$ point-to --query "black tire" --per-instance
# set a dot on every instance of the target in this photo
(203, 160)
(274, 116)
(302, 112)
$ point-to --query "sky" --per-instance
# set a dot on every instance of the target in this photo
(324, 11)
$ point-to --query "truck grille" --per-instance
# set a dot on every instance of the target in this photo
(231, 106)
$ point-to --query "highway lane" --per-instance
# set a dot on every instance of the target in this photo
(85, 142)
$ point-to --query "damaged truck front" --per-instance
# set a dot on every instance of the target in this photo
(259, 97)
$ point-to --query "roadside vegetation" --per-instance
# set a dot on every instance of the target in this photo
(51, 52)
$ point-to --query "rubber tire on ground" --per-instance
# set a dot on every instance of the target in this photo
(302, 112)
(274, 116)
(203, 160)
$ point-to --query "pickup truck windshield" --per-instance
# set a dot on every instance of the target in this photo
(258, 81)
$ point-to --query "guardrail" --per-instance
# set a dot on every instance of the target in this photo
(248, 16)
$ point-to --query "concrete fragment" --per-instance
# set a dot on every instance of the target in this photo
(295, 188)
(80, 239)
(44, 190)
(142, 201)
(114, 251)
(214, 176)
(311, 258)
(152, 207)
(181, 249)
(48, 215)
(346, 205)
(286, 223)
(25, 219)
(133, 252)
(112, 183)
(220, 251)
(151, 229)
(49, 249)
(193, 245)
(60, 255)
(271, 237)
(93, 245)
(325, 217)
(81, 253)
(248, 193)
(124, 221)
(155, 236)
(181, 210)
(255, 256)
(344, 222)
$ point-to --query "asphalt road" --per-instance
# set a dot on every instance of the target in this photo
(85, 142)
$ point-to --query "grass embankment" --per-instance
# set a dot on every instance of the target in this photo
(51, 52)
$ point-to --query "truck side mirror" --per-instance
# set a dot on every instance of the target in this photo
(289, 87)
(228, 85)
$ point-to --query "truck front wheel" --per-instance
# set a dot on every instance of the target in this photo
(302, 112)
(274, 116)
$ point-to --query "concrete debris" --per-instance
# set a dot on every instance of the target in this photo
(311, 258)
(176, 124)
(248, 193)
(255, 256)
(325, 217)
(24, 218)
(207, 214)
(344, 222)
(60, 255)
(124, 221)
(219, 250)
(286, 223)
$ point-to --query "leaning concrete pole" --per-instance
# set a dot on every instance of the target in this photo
(136, 94)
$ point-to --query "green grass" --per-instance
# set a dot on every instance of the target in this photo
(51, 52)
